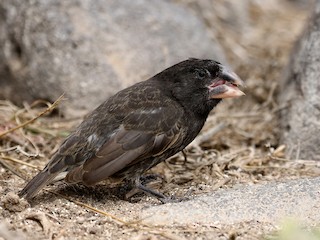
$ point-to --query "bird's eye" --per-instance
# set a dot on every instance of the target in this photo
(201, 73)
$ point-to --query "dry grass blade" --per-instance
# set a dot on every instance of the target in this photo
(136, 224)
(90, 207)
(49, 109)
(19, 161)
(12, 169)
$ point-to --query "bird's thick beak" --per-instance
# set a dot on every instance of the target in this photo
(226, 85)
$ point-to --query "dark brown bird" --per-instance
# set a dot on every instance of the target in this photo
(140, 126)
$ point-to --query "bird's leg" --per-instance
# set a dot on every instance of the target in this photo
(152, 192)
(144, 180)
(139, 186)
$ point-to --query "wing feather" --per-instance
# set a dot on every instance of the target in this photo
(93, 153)
(125, 148)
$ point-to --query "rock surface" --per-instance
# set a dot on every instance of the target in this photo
(300, 94)
(268, 203)
(89, 50)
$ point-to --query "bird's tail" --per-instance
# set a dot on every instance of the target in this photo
(37, 183)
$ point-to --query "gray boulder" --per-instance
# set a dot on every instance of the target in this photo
(300, 94)
(91, 49)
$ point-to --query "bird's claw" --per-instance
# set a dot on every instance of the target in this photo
(173, 199)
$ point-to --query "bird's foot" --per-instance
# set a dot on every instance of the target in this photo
(140, 186)
(172, 199)
(144, 180)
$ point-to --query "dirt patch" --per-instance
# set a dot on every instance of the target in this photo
(239, 144)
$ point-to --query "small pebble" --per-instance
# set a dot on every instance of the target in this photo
(13, 203)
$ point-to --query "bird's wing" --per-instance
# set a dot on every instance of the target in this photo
(143, 134)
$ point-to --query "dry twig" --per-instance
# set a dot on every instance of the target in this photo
(49, 109)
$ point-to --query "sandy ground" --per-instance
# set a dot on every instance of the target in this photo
(239, 144)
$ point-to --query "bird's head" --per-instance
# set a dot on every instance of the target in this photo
(201, 84)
